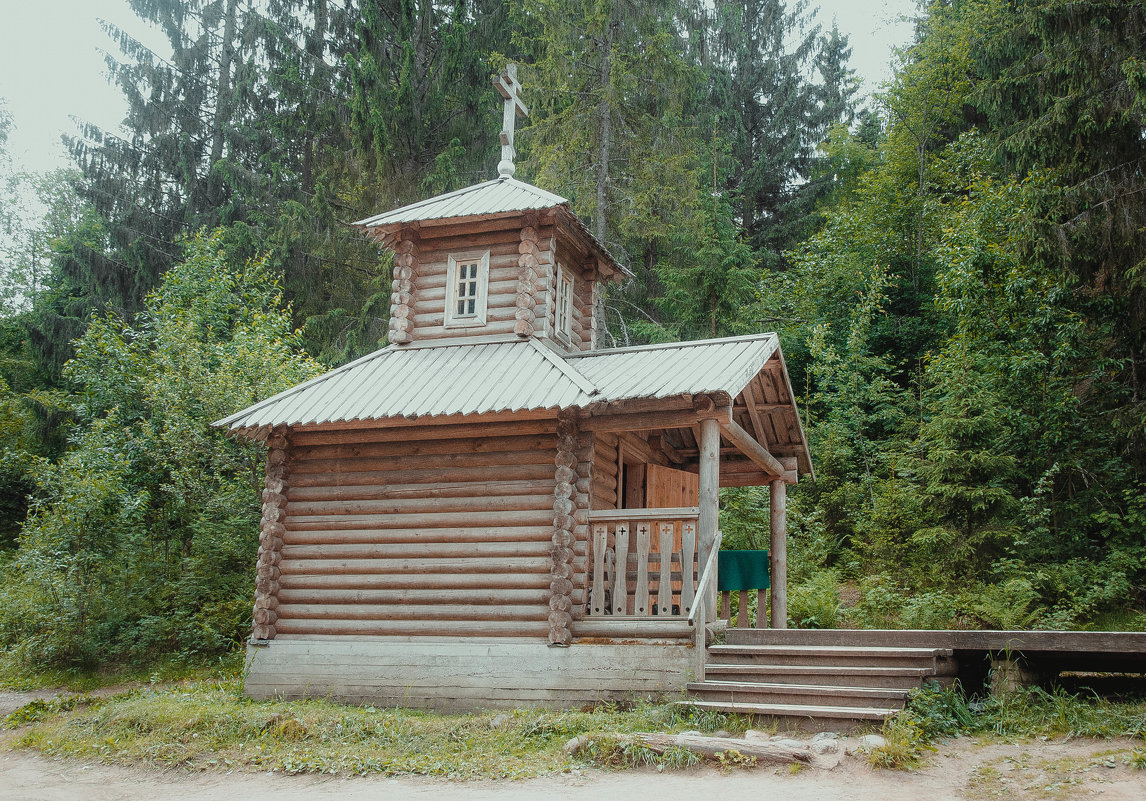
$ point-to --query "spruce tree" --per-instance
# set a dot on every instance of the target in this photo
(1063, 89)
(176, 170)
(423, 102)
(773, 115)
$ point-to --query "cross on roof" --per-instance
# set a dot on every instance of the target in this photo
(508, 87)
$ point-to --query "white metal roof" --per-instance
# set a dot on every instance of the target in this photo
(677, 368)
(502, 195)
(461, 378)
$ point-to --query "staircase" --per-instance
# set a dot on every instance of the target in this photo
(835, 677)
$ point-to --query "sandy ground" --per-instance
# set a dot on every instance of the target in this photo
(960, 769)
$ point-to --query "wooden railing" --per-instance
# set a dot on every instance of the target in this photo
(738, 614)
(707, 580)
(643, 563)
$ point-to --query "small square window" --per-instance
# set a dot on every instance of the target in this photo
(467, 279)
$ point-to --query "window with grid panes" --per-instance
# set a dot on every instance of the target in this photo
(467, 278)
(467, 289)
(564, 316)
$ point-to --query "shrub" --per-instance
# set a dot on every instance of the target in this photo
(815, 603)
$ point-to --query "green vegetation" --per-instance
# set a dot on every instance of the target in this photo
(966, 331)
(205, 723)
(1022, 714)
(208, 724)
(139, 539)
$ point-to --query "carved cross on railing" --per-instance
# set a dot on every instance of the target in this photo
(508, 87)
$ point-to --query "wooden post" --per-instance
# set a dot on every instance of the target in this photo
(600, 542)
(779, 553)
(709, 501)
(664, 581)
(644, 545)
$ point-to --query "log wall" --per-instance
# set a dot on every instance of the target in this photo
(520, 294)
(271, 532)
(582, 336)
(515, 294)
(423, 531)
(604, 485)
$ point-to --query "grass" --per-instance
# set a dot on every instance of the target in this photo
(1027, 713)
(204, 722)
(201, 724)
(16, 676)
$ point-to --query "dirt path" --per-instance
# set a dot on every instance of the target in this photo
(10, 700)
(960, 770)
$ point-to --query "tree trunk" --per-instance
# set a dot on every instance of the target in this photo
(223, 106)
(605, 121)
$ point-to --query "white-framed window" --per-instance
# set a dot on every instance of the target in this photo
(564, 316)
(467, 282)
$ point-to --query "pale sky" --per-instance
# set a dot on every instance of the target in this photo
(52, 68)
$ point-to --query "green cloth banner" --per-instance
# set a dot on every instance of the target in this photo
(742, 570)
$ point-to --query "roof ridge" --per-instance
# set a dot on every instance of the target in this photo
(688, 343)
(419, 203)
(464, 341)
(543, 194)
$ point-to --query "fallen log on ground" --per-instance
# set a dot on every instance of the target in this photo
(715, 747)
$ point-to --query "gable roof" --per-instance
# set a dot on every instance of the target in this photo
(512, 375)
(499, 196)
(675, 368)
(506, 376)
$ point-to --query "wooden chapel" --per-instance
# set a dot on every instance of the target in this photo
(491, 510)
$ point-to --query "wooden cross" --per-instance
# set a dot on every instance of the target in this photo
(508, 87)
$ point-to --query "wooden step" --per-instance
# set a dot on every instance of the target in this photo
(785, 693)
(861, 676)
(816, 712)
(836, 655)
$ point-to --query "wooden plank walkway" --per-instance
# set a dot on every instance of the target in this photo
(1096, 642)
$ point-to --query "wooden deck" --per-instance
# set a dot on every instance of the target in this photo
(1046, 653)
(1129, 644)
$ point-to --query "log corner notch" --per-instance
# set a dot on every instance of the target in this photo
(271, 537)
(528, 264)
(402, 290)
(565, 492)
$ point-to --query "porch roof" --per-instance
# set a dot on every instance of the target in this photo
(512, 375)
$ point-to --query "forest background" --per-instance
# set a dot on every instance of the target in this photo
(955, 271)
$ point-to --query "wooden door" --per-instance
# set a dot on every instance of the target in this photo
(669, 488)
